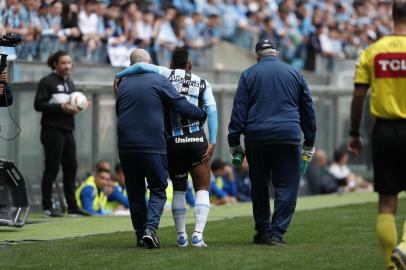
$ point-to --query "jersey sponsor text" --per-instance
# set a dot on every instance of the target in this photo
(390, 65)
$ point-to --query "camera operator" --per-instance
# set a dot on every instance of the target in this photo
(6, 96)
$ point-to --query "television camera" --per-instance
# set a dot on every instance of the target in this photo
(14, 206)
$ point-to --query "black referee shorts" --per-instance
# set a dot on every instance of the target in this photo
(389, 156)
(184, 153)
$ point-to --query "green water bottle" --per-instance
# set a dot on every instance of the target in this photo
(305, 162)
(238, 158)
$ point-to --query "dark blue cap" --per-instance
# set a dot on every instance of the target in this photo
(264, 44)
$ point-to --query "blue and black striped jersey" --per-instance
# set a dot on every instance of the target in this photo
(196, 90)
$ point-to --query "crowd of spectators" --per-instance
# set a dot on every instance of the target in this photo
(102, 31)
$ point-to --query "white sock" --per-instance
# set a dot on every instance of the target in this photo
(202, 208)
(179, 212)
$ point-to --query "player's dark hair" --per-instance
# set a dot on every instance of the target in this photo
(180, 58)
(399, 11)
(118, 168)
(54, 58)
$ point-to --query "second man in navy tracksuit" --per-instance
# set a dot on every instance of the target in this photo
(272, 106)
(141, 102)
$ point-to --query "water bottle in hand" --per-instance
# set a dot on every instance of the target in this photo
(238, 157)
(307, 155)
(305, 162)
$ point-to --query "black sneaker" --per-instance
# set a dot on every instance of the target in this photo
(262, 238)
(277, 240)
(78, 212)
(51, 212)
(140, 243)
(150, 239)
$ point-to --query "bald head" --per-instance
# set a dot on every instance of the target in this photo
(140, 56)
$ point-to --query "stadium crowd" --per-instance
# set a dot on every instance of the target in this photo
(105, 31)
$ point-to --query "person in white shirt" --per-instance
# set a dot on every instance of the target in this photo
(88, 25)
(145, 29)
(343, 174)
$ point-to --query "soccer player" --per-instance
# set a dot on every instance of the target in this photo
(383, 67)
(188, 150)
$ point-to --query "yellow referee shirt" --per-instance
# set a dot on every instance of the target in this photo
(383, 66)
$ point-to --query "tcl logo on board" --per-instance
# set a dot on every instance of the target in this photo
(390, 65)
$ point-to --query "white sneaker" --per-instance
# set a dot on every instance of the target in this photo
(196, 242)
(182, 241)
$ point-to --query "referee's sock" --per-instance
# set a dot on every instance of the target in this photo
(179, 212)
(387, 235)
(202, 209)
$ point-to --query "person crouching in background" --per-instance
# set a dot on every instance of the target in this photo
(223, 188)
(91, 194)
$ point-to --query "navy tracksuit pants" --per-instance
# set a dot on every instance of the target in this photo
(278, 164)
(136, 168)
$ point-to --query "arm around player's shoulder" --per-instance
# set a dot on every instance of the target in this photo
(208, 95)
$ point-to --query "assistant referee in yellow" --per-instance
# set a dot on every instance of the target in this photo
(383, 67)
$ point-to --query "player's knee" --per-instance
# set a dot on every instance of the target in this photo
(201, 175)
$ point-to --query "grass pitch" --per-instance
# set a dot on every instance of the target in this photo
(341, 237)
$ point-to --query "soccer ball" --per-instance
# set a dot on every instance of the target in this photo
(79, 100)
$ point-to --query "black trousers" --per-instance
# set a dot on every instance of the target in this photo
(59, 148)
(278, 164)
(137, 168)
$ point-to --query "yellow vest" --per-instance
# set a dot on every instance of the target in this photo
(99, 199)
(219, 182)
(113, 205)
(169, 193)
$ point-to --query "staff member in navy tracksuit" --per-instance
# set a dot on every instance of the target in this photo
(272, 104)
(141, 102)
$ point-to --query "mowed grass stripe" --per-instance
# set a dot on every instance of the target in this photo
(334, 238)
(60, 228)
